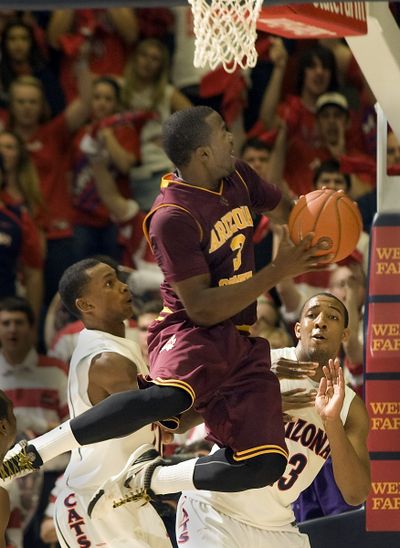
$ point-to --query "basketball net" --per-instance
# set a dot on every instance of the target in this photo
(225, 33)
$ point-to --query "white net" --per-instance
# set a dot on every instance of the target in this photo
(225, 32)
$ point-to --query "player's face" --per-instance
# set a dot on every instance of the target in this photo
(16, 333)
(8, 427)
(332, 123)
(334, 181)
(105, 296)
(316, 78)
(26, 104)
(221, 161)
(104, 102)
(321, 329)
(258, 160)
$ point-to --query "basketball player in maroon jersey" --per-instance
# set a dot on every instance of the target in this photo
(201, 357)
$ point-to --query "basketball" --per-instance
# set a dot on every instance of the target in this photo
(332, 216)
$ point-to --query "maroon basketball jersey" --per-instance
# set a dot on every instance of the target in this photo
(195, 231)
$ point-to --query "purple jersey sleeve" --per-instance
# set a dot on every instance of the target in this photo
(263, 195)
(175, 240)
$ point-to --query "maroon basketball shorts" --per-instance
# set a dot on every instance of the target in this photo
(229, 380)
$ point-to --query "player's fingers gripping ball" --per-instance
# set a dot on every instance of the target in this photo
(332, 216)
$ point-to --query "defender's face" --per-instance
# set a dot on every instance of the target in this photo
(321, 328)
(105, 295)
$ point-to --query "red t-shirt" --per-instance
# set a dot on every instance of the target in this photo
(108, 51)
(89, 210)
(301, 123)
(302, 160)
(49, 151)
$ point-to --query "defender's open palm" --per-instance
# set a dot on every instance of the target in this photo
(330, 396)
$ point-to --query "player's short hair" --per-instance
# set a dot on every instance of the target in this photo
(331, 166)
(73, 283)
(184, 132)
(326, 294)
(18, 304)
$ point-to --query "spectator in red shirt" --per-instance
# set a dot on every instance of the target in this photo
(109, 32)
(334, 125)
(94, 230)
(21, 181)
(48, 143)
(20, 251)
(21, 55)
(316, 75)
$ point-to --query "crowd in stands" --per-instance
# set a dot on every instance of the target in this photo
(83, 95)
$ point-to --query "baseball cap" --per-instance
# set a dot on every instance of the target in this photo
(332, 99)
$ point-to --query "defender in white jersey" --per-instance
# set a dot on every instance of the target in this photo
(103, 362)
(336, 425)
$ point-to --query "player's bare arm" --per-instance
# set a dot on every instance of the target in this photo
(348, 442)
(110, 373)
(207, 305)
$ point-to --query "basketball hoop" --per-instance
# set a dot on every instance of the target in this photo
(225, 33)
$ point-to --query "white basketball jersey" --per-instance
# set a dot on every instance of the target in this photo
(270, 507)
(92, 464)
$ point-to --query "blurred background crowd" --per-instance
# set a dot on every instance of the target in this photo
(83, 95)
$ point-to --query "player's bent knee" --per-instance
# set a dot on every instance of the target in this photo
(265, 469)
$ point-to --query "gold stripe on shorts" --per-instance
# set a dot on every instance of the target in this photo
(259, 450)
(178, 383)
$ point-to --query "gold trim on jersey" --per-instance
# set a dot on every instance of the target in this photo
(179, 384)
(259, 450)
(165, 182)
(163, 314)
(244, 328)
(150, 213)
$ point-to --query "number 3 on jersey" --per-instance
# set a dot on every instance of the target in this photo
(237, 244)
(298, 462)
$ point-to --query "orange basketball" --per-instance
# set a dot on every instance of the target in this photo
(334, 218)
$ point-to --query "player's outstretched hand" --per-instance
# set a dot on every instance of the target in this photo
(292, 260)
(299, 398)
(330, 396)
(293, 369)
